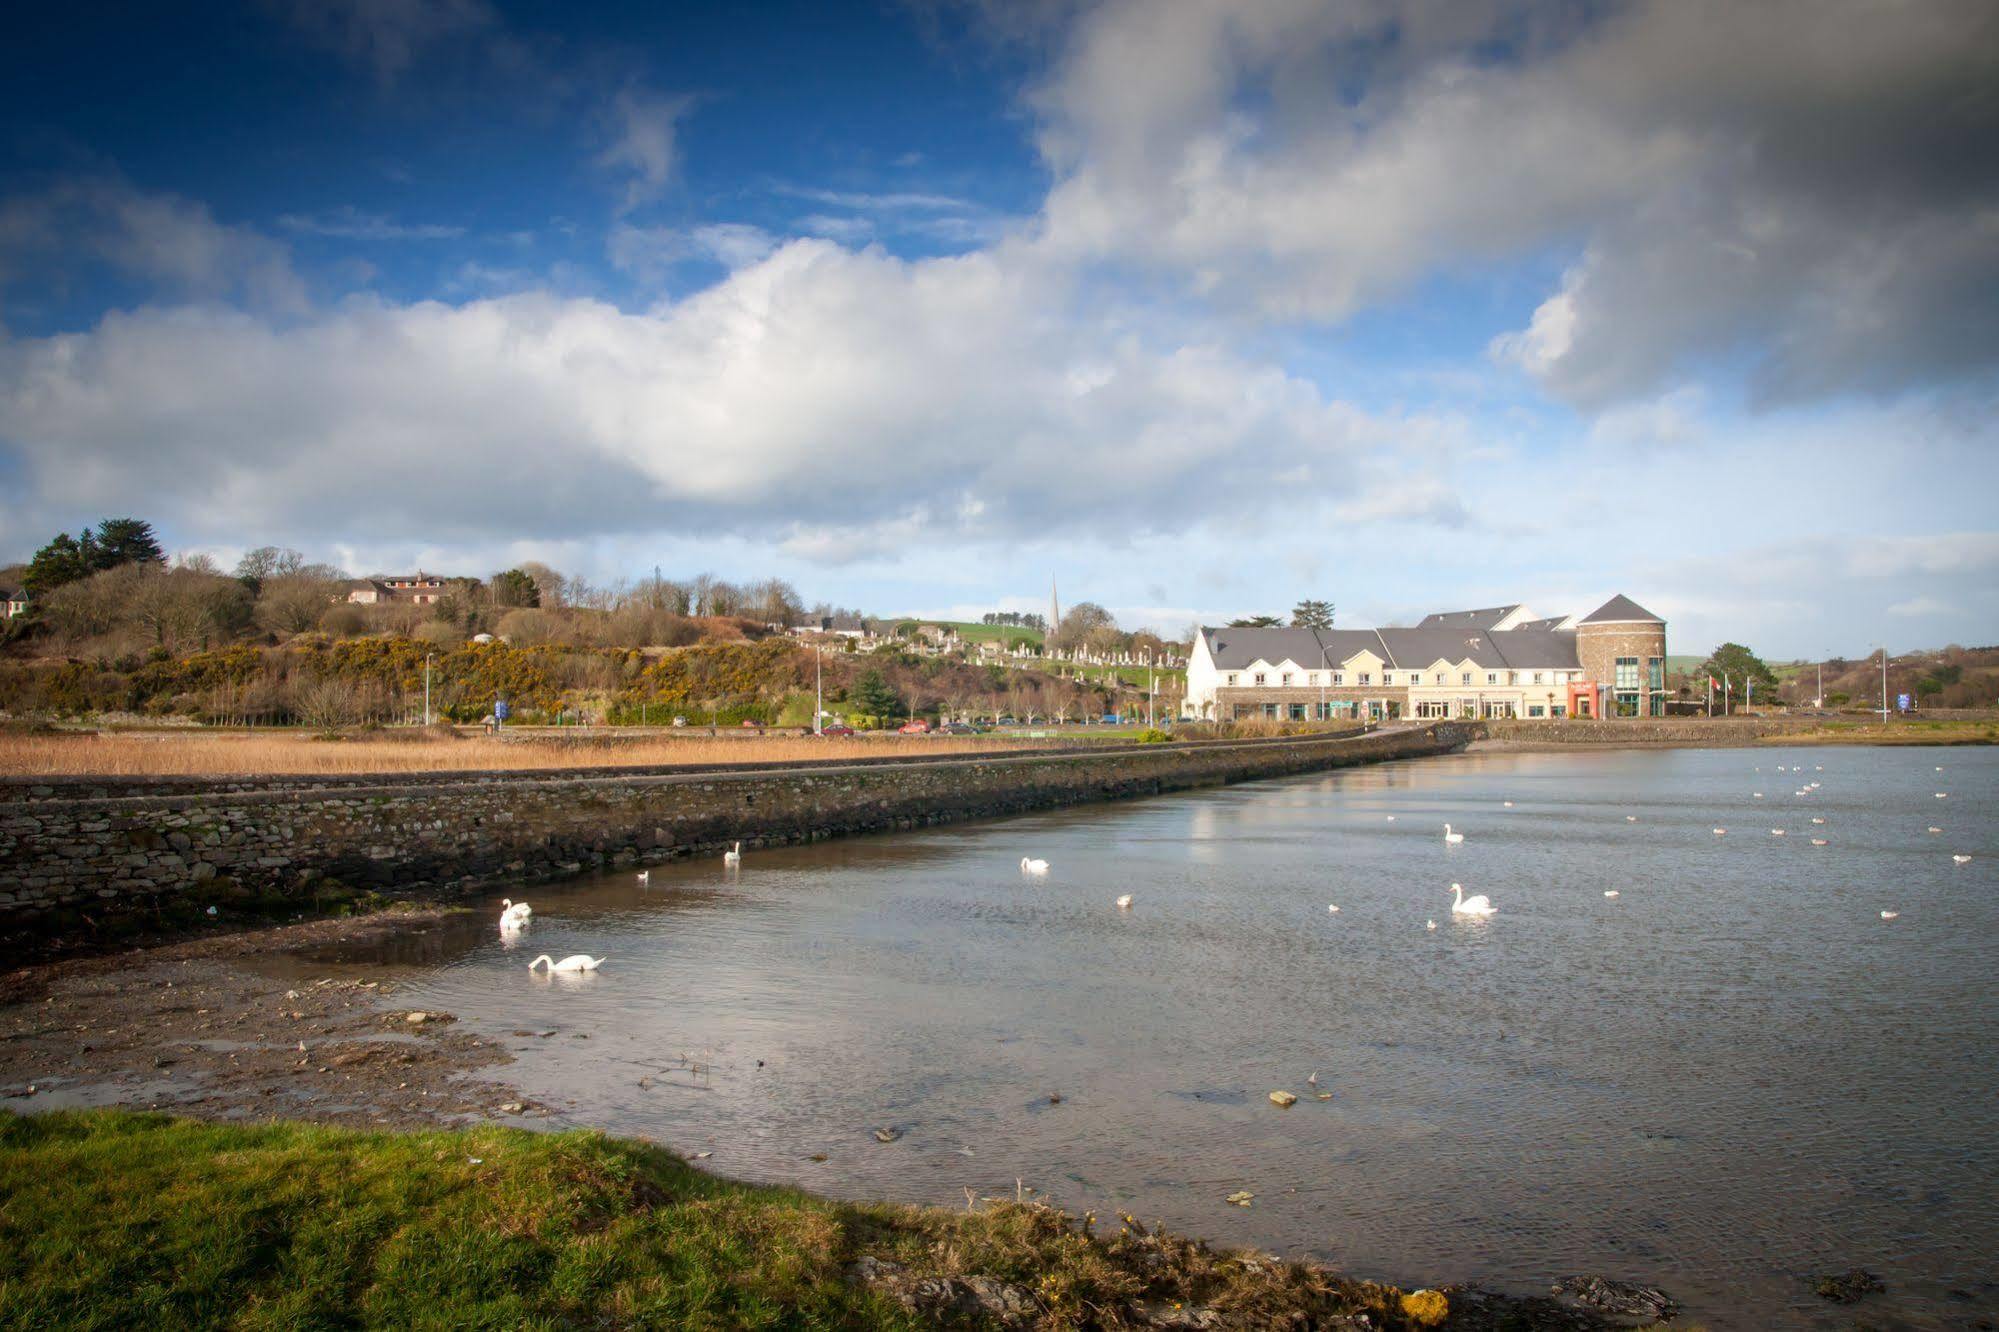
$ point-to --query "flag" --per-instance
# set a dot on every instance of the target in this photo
(1713, 683)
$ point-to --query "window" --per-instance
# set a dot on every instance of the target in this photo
(1259, 677)
(1561, 677)
(1513, 677)
(1387, 678)
(1537, 677)
(1465, 678)
(1231, 677)
(1339, 677)
(1492, 677)
(1367, 677)
(1297, 712)
(1536, 710)
(1312, 678)
(1440, 677)
(1655, 672)
(1287, 678)
(1627, 672)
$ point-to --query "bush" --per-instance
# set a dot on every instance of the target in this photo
(1153, 736)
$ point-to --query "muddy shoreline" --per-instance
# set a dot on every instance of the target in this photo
(253, 1024)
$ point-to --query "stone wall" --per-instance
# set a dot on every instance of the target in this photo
(106, 862)
(1716, 731)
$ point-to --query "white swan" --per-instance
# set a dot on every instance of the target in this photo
(1452, 838)
(1332, 910)
(515, 913)
(645, 876)
(1124, 903)
(1890, 915)
(574, 962)
(1631, 818)
(1429, 924)
(1507, 803)
(1818, 841)
(1961, 860)
(1471, 906)
(1721, 832)
(1942, 795)
(1818, 820)
(1776, 832)
(1610, 892)
(734, 855)
(1033, 866)
(1391, 818)
(1935, 829)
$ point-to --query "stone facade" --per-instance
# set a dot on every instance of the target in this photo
(1599, 645)
(129, 850)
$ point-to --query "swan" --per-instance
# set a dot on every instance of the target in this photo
(1470, 906)
(1818, 820)
(1124, 903)
(1610, 892)
(1818, 841)
(1507, 803)
(1033, 866)
(1960, 860)
(512, 912)
(645, 876)
(1721, 832)
(1942, 795)
(1429, 924)
(1391, 818)
(734, 855)
(1935, 829)
(1631, 818)
(1759, 795)
(574, 962)
(1890, 915)
(1452, 838)
(1332, 910)
(1776, 832)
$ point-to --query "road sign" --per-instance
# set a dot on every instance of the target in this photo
(1902, 702)
(500, 709)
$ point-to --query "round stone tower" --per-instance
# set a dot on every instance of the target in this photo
(1622, 649)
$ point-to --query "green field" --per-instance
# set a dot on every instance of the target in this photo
(974, 632)
(112, 1219)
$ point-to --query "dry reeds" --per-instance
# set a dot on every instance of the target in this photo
(217, 753)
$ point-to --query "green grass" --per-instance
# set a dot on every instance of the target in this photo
(111, 1219)
(973, 631)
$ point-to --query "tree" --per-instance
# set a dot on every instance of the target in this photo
(127, 541)
(516, 587)
(1256, 622)
(874, 696)
(1084, 623)
(1742, 667)
(1310, 614)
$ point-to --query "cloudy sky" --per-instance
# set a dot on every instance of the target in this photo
(1201, 305)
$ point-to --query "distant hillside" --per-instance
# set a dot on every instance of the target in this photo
(974, 632)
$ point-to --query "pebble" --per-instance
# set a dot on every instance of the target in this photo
(1283, 1098)
(1240, 1198)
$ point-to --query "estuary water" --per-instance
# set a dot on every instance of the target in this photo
(1731, 1077)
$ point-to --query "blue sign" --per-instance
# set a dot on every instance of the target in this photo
(1902, 702)
(500, 709)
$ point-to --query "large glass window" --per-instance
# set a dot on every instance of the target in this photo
(1655, 672)
(1627, 673)
(1297, 712)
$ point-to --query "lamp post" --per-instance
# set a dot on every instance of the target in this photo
(818, 695)
(426, 688)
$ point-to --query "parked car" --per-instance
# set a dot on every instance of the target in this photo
(917, 726)
(836, 728)
(958, 728)
(680, 721)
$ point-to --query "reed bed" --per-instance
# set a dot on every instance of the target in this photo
(239, 753)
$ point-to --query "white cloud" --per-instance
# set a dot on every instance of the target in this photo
(173, 243)
(350, 223)
(649, 252)
(839, 405)
(644, 142)
(1918, 606)
(1804, 185)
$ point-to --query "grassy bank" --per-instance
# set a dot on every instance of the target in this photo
(114, 1219)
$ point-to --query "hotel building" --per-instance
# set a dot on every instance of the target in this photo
(1503, 661)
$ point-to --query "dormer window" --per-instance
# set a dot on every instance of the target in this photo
(1339, 677)
(1259, 677)
(1232, 677)
(1287, 678)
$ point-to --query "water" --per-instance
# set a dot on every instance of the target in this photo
(1730, 1078)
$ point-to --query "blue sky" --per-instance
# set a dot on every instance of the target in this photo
(1201, 307)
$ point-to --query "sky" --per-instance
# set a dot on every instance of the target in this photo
(1200, 307)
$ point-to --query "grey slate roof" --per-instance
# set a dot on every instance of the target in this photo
(1552, 622)
(1618, 608)
(1403, 649)
(1477, 620)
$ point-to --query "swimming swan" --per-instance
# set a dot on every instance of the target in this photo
(1890, 915)
(514, 913)
(1452, 838)
(574, 962)
(1033, 866)
(1961, 860)
(1124, 903)
(645, 876)
(1470, 906)
(734, 855)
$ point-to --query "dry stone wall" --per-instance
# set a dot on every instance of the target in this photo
(107, 861)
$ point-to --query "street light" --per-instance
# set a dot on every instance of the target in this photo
(426, 688)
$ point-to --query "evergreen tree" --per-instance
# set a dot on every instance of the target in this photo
(1740, 665)
(515, 587)
(1310, 614)
(1256, 622)
(875, 697)
(127, 541)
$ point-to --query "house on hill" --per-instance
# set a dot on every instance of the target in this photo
(1499, 661)
(418, 589)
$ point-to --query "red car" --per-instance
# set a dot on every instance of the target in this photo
(836, 729)
(917, 727)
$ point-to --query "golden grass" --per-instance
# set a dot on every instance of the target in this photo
(234, 753)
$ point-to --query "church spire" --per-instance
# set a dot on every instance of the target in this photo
(1054, 611)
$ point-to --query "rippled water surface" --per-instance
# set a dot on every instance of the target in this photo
(1732, 1076)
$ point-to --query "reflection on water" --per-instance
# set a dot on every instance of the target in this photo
(1732, 1076)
